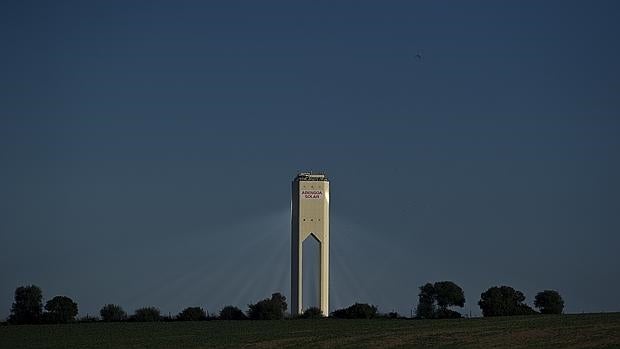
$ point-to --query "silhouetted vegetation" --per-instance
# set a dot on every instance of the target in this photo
(112, 312)
(356, 311)
(60, 309)
(549, 302)
(28, 305)
(503, 301)
(192, 314)
(447, 314)
(393, 315)
(231, 313)
(426, 302)
(312, 313)
(268, 309)
(147, 314)
(434, 300)
(88, 318)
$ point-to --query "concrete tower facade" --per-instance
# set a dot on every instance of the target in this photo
(309, 216)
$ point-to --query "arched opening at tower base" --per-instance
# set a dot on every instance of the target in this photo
(311, 272)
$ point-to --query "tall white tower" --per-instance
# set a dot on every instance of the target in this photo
(309, 216)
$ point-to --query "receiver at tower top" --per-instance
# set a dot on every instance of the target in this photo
(309, 176)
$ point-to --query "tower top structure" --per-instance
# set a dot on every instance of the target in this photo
(309, 217)
(311, 176)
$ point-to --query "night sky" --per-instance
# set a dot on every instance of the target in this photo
(147, 148)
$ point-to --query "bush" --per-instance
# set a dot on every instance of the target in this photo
(147, 314)
(447, 314)
(549, 302)
(503, 301)
(28, 305)
(268, 309)
(356, 311)
(112, 312)
(312, 313)
(60, 309)
(231, 313)
(192, 314)
(88, 319)
(524, 309)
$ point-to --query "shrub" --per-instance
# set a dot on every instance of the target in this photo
(447, 314)
(88, 318)
(356, 311)
(231, 313)
(192, 314)
(147, 314)
(268, 309)
(112, 312)
(312, 313)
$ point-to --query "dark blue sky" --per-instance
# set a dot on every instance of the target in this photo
(147, 148)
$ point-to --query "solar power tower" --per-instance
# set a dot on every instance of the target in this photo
(309, 216)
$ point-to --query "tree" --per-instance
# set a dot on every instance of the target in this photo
(312, 313)
(147, 314)
(426, 302)
(356, 311)
(192, 314)
(448, 294)
(549, 302)
(442, 294)
(503, 301)
(280, 301)
(28, 305)
(232, 313)
(61, 309)
(112, 312)
(268, 309)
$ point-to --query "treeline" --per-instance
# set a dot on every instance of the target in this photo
(435, 301)
(28, 309)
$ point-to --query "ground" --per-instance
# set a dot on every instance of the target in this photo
(539, 331)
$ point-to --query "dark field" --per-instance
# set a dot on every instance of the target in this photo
(551, 331)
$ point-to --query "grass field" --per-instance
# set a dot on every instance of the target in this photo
(551, 331)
